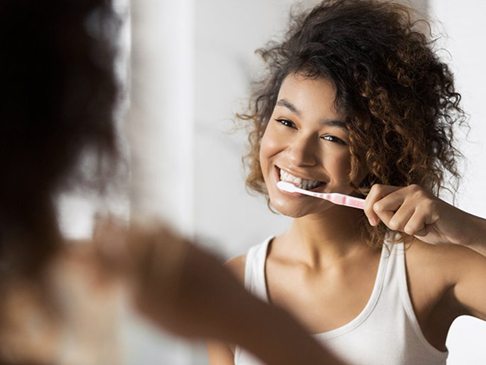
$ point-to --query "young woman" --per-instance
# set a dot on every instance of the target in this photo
(356, 100)
(58, 301)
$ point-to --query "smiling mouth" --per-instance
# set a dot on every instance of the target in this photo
(300, 182)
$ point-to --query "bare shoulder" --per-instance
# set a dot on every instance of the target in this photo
(237, 266)
(450, 278)
(445, 261)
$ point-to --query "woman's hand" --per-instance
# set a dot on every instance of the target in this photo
(418, 213)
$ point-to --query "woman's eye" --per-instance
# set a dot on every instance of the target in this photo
(334, 139)
(286, 123)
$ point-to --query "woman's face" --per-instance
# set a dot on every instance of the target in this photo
(305, 143)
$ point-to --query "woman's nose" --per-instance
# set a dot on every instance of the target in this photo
(303, 150)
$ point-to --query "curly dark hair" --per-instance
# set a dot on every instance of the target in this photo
(399, 98)
(57, 97)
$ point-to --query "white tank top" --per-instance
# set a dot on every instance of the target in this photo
(386, 332)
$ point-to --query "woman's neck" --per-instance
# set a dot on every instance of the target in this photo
(330, 236)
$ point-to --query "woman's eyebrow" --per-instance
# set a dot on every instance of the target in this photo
(287, 104)
(327, 122)
(334, 123)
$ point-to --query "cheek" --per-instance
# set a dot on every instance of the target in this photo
(268, 147)
(340, 166)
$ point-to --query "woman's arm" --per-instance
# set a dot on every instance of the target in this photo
(417, 213)
(210, 302)
(220, 354)
(468, 273)
(186, 290)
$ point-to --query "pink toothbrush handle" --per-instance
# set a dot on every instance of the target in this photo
(349, 201)
(336, 198)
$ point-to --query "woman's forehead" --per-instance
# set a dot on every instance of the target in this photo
(303, 95)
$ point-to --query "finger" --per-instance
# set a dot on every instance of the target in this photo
(386, 207)
(422, 221)
(428, 234)
(403, 199)
(423, 232)
(416, 225)
(377, 192)
(402, 215)
(392, 201)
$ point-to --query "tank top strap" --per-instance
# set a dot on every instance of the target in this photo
(403, 289)
(394, 255)
(255, 269)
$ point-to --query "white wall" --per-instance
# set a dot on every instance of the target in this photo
(462, 26)
(228, 32)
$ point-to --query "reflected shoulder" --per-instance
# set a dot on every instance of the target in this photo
(237, 266)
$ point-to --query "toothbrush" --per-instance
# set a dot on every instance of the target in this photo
(336, 198)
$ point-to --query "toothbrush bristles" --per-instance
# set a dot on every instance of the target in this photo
(286, 186)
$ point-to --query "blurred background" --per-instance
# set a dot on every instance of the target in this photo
(192, 63)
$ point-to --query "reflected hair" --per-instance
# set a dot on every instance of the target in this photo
(57, 97)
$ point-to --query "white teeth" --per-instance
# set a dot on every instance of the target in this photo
(301, 183)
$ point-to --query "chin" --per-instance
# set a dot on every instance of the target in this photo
(288, 212)
(296, 210)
